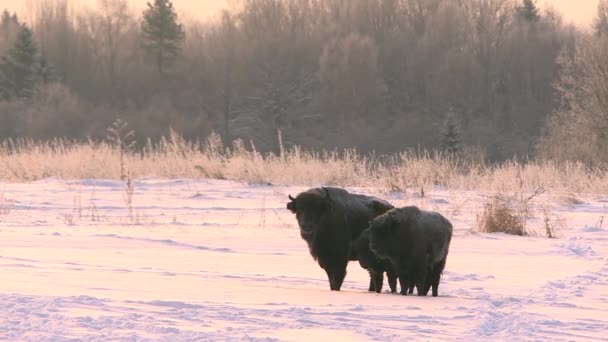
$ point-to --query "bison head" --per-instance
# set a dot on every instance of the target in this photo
(382, 236)
(311, 208)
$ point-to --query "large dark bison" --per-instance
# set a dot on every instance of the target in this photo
(416, 242)
(373, 264)
(330, 219)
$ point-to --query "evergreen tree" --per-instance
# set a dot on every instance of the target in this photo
(9, 24)
(5, 23)
(162, 34)
(6, 84)
(19, 67)
(529, 11)
(6, 17)
(9, 28)
(44, 70)
(451, 135)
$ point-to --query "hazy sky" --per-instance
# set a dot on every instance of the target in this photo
(185, 8)
(577, 11)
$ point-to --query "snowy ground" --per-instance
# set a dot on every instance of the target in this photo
(207, 260)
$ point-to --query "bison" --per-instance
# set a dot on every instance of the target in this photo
(416, 242)
(330, 219)
(373, 264)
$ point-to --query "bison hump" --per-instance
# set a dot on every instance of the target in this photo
(380, 206)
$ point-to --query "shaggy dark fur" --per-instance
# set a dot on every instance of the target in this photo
(330, 219)
(416, 242)
(373, 264)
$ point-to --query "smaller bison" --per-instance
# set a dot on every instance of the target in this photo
(330, 219)
(416, 242)
(373, 264)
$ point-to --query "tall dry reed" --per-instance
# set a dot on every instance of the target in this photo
(173, 156)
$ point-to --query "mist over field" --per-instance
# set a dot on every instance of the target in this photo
(497, 79)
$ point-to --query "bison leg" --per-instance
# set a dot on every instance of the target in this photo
(333, 284)
(427, 286)
(404, 283)
(378, 280)
(392, 281)
(431, 278)
(430, 281)
(411, 287)
(339, 277)
(434, 278)
(436, 288)
(330, 277)
(418, 278)
(336, 277)
(372, 282)
(433, 282)
(420, 286)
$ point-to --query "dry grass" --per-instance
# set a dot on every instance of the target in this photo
(554, 224)
(128, 198)
(510, 213)
(499, 217)
(410, 171)
(76, 213)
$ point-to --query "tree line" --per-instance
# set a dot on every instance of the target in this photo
(501, 77)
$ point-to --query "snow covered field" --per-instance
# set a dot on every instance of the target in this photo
(212, 260)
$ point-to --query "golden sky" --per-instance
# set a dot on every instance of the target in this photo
(578, 11)
(185, 8)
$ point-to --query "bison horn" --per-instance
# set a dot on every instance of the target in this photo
(291, 198)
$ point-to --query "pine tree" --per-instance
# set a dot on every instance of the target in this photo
(44, 70)
(529, 11)
(9, 25)
(6, 84)
(162, 34)
(5, 23)
(18, 68)
(451, 135)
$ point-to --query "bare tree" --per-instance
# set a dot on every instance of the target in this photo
(227, 50)
(579, 129)
(419, 12)
(55, 111)
(53, 21)
(600, 21)
(488, 20)
(350, 79)
(112, 31)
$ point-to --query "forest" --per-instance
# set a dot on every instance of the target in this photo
(499, 79)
